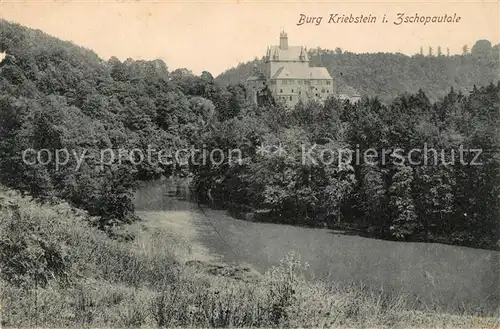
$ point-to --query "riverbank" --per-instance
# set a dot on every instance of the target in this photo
(434, 276)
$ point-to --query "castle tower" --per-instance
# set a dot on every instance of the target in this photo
(283, 40)
(288, 76)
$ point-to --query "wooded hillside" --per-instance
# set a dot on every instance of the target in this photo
(386, 75)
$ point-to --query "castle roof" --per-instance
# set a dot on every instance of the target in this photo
(319, 73)
(291, 53)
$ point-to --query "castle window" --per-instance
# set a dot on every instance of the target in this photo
(283, 82)
(323, 90)
(328, 82)
(273, 82)
(320, 82)
(316, 95)
(290, 97)
(281, 90)
(292, 90)
(300, 82)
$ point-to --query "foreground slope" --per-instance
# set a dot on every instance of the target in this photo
(59, 272)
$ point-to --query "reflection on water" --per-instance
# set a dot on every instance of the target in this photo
(165, 194)
(432, 274)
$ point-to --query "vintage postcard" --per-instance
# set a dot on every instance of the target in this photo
(249, 164)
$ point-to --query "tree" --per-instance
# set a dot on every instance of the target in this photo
(434, 199)
(118, 69)
(482, 48)
(373, 202)
(465, 50)
(495, 52)
(404, 220)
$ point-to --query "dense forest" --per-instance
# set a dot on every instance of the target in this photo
(55, 95)
(444, 199)
(386, 75)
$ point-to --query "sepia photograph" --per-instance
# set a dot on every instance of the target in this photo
(250, 164)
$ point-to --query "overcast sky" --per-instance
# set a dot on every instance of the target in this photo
(214, 36)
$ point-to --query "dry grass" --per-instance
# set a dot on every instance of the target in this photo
(147, 283)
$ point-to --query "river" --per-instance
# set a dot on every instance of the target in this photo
(451, 277)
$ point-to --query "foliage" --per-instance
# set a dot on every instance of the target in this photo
(57, 96)
(421, 185)
(387, 75)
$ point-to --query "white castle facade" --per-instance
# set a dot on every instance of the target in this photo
(287, 74)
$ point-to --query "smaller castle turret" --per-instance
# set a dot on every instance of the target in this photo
(303, 54)
(275, 55)
(255, 69)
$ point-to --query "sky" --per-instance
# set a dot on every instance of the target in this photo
(214, 36)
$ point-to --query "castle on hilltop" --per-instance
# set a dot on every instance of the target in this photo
(288, 76)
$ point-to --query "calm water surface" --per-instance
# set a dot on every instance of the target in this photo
(448, 276)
